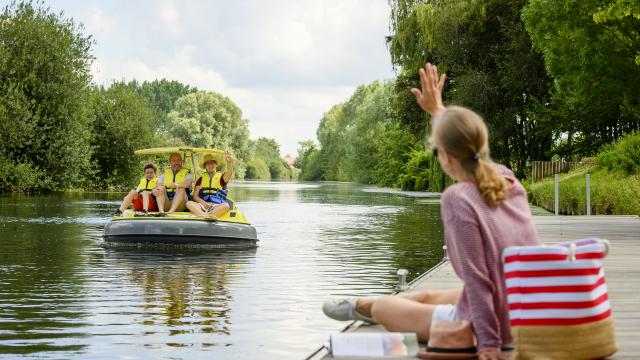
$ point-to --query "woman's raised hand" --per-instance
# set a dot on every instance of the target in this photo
(429, 96)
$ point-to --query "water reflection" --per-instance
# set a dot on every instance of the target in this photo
(185, 292)
(41, 283)
(64, 296)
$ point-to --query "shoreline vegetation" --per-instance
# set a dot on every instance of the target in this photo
(551, 81)
(615, 183)
(61, 132)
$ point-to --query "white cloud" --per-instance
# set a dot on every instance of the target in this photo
(288, 115)
(168, 13)
(97, 22)
(180, 67)
(284, 62)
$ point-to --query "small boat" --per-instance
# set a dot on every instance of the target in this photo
(184, 229)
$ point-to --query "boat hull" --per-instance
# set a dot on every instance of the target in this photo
(196, 233)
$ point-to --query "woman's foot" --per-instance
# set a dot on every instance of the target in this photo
(344, 310)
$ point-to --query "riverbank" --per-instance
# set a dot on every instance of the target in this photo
(621, 267)
(612, 193)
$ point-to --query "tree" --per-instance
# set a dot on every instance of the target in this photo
(121, 123)
(624, 15)
(208, 119)
(590, 51)
(44, 79)
(486, 52)
(267, 151)
(307, 161)
(361, 140)
(161, 96)
(257, 169)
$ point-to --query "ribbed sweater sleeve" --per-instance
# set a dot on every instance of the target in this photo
(466, 248)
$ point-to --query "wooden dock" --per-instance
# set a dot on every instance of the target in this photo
(622, 268)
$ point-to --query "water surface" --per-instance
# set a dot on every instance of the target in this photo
(64, 296)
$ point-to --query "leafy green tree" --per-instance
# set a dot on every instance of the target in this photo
(487, 55)
(625, 16)
(161, 96)
(208, 119)
(361, 140)
(308, 161)
(331, 136)
(267, 151)
(257, 169)
(121, 124)
(589, 48)
(44, 79)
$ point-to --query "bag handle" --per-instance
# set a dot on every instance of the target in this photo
(573, 248)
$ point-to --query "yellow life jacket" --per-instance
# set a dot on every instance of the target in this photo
(170, 177)
(146, 185)
(209, 184)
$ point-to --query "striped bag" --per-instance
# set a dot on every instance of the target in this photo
(558, 302)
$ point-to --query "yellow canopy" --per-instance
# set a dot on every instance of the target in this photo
(178, 149)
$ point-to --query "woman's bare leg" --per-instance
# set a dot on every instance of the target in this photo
(403, 315)
(432, 297)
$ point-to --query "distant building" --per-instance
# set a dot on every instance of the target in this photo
(290, 160)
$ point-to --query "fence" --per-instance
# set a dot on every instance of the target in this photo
(541, 169)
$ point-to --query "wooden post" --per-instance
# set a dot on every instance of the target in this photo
(556, 188)
(588, 194)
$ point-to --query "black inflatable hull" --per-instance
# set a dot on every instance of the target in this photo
(189, 233)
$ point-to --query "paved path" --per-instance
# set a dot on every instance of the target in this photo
(622, 268)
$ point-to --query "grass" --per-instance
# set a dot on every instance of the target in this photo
(612, 193)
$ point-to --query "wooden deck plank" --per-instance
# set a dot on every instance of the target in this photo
(622, 268)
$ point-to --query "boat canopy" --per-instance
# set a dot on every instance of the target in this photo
(178, 149)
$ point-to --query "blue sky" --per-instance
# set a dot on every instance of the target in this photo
(284, 62)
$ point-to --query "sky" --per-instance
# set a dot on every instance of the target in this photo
(283, 62)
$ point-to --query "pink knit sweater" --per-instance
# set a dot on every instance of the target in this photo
(475, 235)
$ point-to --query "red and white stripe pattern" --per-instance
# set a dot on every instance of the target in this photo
(556, 285)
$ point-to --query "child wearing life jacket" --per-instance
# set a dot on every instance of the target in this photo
(210, 191)
(142, 197)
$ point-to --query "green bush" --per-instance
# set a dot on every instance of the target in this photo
(119, 117)
(622, 155)
(423, 173)
(22, 177)
(45, 63)
(611, 193)
(310, 165)
(257, 169)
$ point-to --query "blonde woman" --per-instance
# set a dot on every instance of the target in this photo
(485, 212)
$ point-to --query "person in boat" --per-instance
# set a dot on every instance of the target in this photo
(210, 191)
(142, 197)
(485, 212)
(174, 186)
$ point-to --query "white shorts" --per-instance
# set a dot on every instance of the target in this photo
(445, 312)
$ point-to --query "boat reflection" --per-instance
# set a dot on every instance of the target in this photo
(183, 291)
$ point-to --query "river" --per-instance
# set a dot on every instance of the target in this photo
(62, 295)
